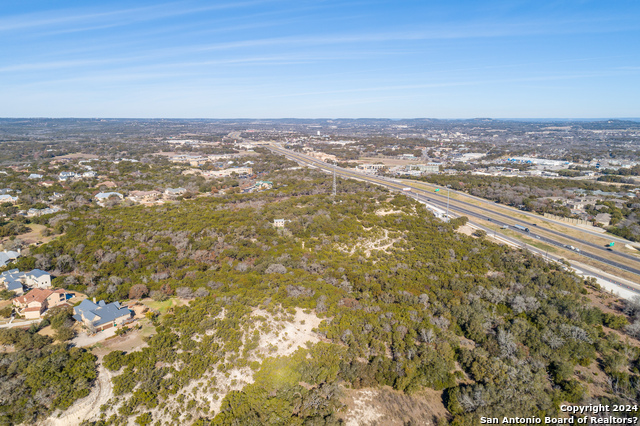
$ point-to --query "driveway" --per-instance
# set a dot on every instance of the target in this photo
(82, 340)
(25, 323)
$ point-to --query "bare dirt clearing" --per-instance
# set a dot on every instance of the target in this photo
(383, 212)
(287, 336)
(466, 230)
(280, 334)
(381, 240)
(131, 342)
(386, 407)
(35, 235)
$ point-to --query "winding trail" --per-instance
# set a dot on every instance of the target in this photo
(89, 406)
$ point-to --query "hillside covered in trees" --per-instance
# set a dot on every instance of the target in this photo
(402, 301)
(407, 303)
(38, 377)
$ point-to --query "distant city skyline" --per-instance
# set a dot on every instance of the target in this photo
(320, 59)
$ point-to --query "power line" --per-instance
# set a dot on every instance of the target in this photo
(334, 180)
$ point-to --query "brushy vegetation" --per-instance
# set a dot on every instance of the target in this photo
(500, 332)
(40, 377)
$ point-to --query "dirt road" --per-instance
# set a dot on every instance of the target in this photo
(88, 407)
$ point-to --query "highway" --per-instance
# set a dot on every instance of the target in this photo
(558, 259)
(440, 200)
(535, 216)
(551, 231)
(531, 234)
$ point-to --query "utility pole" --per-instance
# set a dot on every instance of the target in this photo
(334, 180)
(448, 202)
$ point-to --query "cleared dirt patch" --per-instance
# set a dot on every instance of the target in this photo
(131, 342)
(164, 306)
(380, 240)
(287, 336)
(387, 407)
(466, 230)
(383, 212)
(278, 334)
(35, 235)
(47, 331)
(594, 379)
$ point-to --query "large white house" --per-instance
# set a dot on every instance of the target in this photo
(6, 198)
(14, 280)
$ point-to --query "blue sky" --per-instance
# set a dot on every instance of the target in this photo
(307, 59)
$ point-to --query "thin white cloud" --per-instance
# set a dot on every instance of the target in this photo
(125, 16)
(469, 31)
(21, 22)
(155, 60)
(455, 83)
(45, 66)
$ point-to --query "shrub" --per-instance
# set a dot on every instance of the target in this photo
(138, 291)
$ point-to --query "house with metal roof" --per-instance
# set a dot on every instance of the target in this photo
(102, 197)
(15, 286)
(36, 278)
(12, 280)
(100, 316)
(7, 257)
(63, 176)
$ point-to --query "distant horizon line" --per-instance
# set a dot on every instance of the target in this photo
(332, 118)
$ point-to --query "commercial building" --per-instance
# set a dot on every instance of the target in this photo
(370, 168)
(240, 171)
